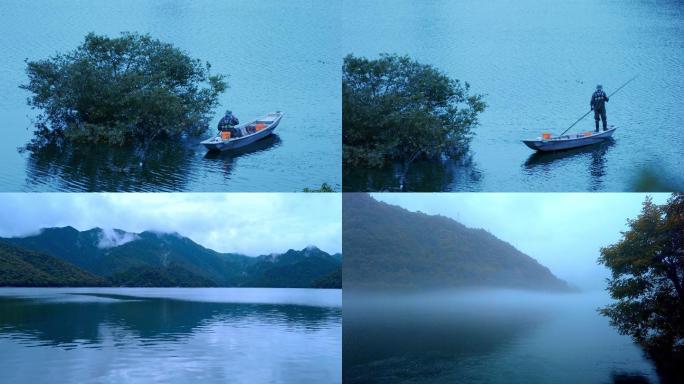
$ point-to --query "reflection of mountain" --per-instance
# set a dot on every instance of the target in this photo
(388, 246)
(82, 322)
(162, 259)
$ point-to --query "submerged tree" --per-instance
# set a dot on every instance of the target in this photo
(648, 279)
(394, 108)
(129, 89)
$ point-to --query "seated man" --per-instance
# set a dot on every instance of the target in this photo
(228, 121)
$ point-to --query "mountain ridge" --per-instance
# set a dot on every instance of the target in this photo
(152, 258)
(387, 246)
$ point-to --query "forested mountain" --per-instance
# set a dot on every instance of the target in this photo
(390, 247)
(165, 259)
(331, 280)
(22, 267)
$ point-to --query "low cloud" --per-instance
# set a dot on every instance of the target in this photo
(110, 238)
(248, 223)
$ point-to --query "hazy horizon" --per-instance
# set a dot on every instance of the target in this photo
(563, 231)
(248, 223)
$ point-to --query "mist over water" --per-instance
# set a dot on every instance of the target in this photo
(485, 336)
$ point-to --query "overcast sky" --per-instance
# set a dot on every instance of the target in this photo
(562, 231)
(249, 223)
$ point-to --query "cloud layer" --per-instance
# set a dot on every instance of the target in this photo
(249, 223)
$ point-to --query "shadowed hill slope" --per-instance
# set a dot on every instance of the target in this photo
(387, 246)
(22, 267)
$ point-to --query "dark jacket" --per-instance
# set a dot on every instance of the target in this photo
(598, 100)
(228, 121)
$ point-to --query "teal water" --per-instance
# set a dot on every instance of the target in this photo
(538, 62)
(278, 55)
(486, 337)
(173, 335)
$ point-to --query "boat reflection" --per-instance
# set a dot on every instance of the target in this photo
(270, 142)
(595, 155)
(541, 159)
(226, 160)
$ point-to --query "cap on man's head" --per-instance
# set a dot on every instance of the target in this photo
(229, 112)
(599, 86)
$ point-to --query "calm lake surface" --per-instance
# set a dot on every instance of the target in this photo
(538, 63)
(280, 55)
(175, 335)
(486, 337)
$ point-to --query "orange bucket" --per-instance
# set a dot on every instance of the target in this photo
(225, 135)
(260, 126)
(546, 136)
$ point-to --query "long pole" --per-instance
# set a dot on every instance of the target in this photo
(609, 96)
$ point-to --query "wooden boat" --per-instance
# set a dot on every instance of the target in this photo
(244, 134)
(570, 141)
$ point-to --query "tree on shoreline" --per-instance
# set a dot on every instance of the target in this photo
(131, 89)
(647, 280)
(396, 109)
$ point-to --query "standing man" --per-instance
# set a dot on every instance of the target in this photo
(598, 105)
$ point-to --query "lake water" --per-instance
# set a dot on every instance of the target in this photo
(486, 337)
(280, 55)
(176, 335)
(538, 63)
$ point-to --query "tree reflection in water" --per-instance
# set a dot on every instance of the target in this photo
(424, 176)
(168, 166)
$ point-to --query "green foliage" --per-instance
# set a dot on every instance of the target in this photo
(297, 269)
(172, 275)
(132, 88)
(389, 247)
(647, 279)
(24, 268)
(333, 280)
(394, 108)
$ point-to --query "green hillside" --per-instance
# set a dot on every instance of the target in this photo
(299, 269)
(24, 268)
(169, 259)
(331, 280)
(388, 246)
